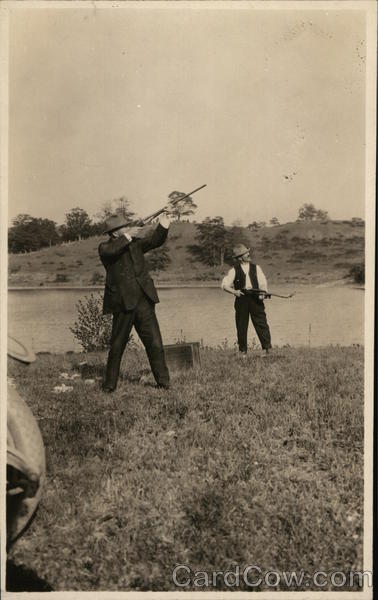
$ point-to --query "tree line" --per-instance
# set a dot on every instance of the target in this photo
(213, 240)
(28, 233)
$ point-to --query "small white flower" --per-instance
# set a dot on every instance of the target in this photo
(59, 389)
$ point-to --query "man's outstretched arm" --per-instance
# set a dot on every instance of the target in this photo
(228, 284)
(263, 284)
(113, 246)
(159, 235)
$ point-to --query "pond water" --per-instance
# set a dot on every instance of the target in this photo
(316, 316)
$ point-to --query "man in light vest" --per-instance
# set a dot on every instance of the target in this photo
(243, 281)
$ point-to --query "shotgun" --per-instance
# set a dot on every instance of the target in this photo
(270, 294)
(146, 220)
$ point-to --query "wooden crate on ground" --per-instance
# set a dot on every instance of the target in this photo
(185, 355)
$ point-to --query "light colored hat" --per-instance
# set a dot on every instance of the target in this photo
(114, 222)
(26, 465)
(239, 250)
(19, 351)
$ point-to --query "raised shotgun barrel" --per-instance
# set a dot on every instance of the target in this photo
(153, 216)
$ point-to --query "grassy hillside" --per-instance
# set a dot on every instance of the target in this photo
(302, 252)
(209, 474)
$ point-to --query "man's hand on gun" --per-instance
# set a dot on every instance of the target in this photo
(131, 232)
(262, 295)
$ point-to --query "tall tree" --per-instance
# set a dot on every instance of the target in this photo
(255, 225)
(321, 215)
(30, 233)
(184, 208)
(212, 237)
(77, 225)
(308, 212)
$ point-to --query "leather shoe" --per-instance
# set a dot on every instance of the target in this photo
(164, 386)
(108, 389)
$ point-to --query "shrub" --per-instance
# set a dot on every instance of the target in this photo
(97, 278)
(61, 277)
(358, 272)
(92, 329)
(158, 259)
(307, 255)
(14, 269)
(357, 222)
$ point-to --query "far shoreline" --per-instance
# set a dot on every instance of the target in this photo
(192, 285)
(101, 287)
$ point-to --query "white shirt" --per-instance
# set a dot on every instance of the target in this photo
(228, 280)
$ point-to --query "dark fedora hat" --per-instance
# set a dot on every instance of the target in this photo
(114, 222)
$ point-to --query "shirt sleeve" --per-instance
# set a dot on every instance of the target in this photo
(228, 280)
(263, 284)
(164, 221)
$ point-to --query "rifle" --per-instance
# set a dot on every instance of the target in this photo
(270, 294)
(146, 220)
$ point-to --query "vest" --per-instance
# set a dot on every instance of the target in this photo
(239, 281)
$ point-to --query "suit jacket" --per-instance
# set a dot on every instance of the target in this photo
(126, 271)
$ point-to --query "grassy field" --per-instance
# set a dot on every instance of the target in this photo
(258, 463)
(312, 252)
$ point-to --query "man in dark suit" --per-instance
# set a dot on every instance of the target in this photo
(130, 295)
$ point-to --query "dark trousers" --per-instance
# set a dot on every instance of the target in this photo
(143, 318)
(250, 306)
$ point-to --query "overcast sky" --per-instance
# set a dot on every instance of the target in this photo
(264, 106)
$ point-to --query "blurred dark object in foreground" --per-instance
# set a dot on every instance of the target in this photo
(20, 578)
